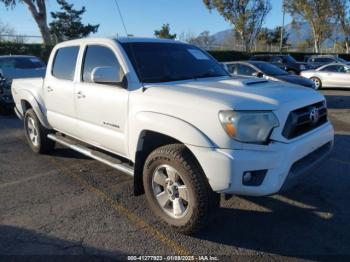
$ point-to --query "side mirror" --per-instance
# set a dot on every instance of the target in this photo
(106, 75)
(258, 74)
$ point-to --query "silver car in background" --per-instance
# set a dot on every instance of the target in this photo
(331, 75)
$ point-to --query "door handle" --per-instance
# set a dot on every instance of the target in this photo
(49, 89)
(80, 95)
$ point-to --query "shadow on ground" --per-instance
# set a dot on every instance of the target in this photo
(338, 101)
(15, 241)
(63, 152)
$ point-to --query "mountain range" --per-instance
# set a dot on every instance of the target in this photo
(296, 35)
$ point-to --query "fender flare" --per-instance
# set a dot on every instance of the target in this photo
(167, 125)
(25, 95)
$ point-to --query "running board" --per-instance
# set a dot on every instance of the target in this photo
(97, 155)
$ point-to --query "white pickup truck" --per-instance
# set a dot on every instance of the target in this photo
(168, 114)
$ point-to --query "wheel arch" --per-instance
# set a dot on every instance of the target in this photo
(148, 141)
(27, 101)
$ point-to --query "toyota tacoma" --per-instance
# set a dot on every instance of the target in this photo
(168, 114)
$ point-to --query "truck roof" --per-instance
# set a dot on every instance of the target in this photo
(145, 39)
(119, 39)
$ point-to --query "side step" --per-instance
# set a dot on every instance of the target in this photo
(97, 155)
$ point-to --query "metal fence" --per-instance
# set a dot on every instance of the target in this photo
(30, 39)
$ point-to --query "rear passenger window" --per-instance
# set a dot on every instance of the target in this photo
(98, 56)
(65, 62)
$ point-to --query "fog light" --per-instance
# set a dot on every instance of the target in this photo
(247, 176)
(253, 178)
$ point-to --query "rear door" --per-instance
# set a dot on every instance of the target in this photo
(59, 89)
(101, 109)
(344, 76)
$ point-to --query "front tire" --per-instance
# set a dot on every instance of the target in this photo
(317, 82)
(176, 188)
(36, 134)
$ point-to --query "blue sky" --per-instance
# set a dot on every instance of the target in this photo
(142, 17)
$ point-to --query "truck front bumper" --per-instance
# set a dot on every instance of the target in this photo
(278, 165)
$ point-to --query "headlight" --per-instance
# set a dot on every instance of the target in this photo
(302, 67)
(248, 126)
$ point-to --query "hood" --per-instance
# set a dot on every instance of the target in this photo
(11, 73)
(295, 79)
(238, 93)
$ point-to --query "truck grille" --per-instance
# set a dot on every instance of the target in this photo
(305, 119)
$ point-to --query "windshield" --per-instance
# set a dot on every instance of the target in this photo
(165, 62)
(21, 63)
(269, 69)
(289, 59)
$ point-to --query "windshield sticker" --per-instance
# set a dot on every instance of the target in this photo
(198, 54)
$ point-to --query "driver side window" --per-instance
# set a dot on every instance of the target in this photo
(333, 68)
(98, 56)
(245, 70)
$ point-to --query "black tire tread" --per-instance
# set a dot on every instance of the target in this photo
(206, 198)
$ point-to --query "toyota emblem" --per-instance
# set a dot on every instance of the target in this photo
(314, 115)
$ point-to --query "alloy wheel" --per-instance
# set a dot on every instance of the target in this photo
(170, 191)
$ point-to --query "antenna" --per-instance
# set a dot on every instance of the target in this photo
(121, 17)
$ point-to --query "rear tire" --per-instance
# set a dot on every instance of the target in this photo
(177, 190)
(317, 82)
(36, 134)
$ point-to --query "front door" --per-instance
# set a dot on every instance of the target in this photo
(101, 109)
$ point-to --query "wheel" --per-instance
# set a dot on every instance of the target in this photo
(36, 134)
(177, 189)
(317, 82)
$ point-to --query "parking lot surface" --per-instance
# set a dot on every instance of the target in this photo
(66, 204)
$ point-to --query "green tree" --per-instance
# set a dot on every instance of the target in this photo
(164, 32)
(341, 10)
(246, 16)
(265, 36)
(276, 36)
(67, 23)
(38, 10)
(272, 37)
(317, 13)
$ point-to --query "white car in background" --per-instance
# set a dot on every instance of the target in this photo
(331, 75)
